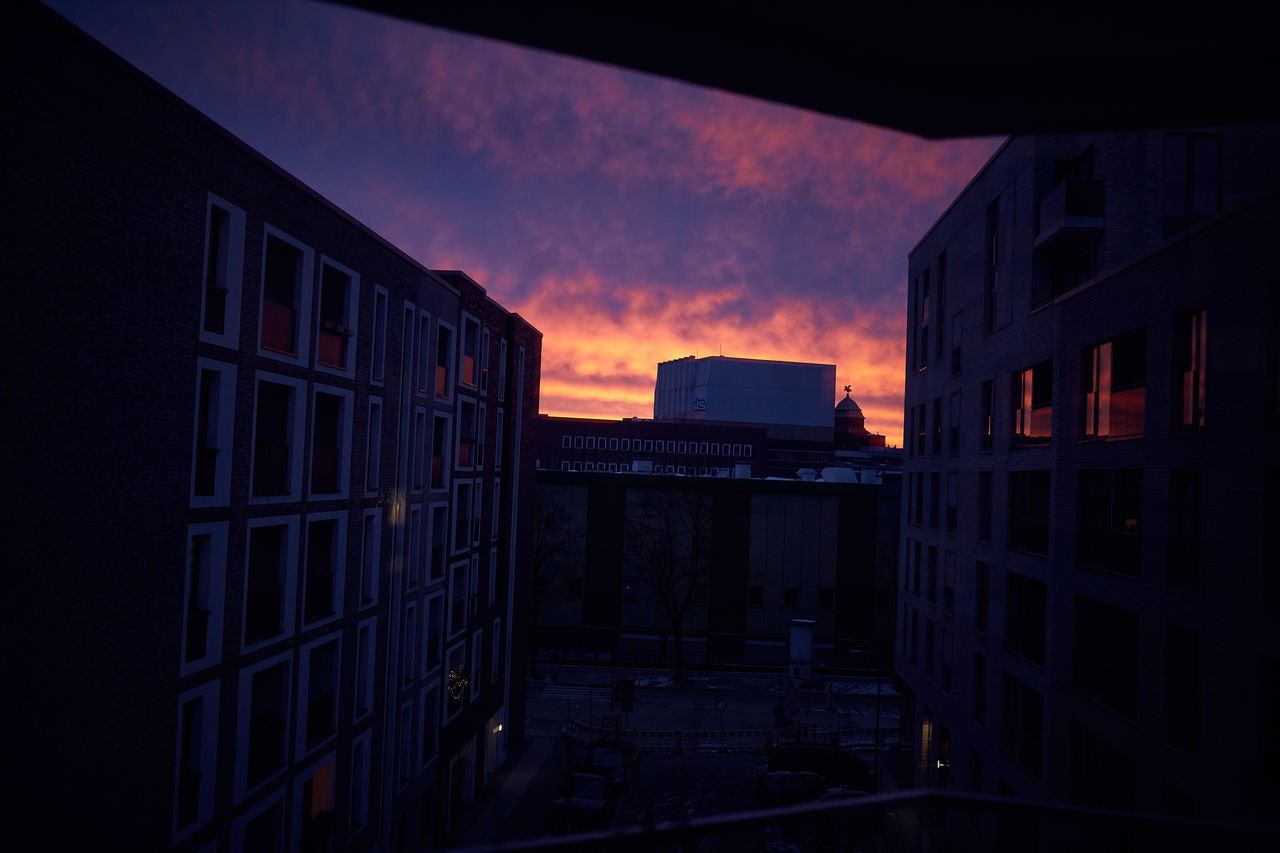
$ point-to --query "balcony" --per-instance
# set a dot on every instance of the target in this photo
(1071, 213)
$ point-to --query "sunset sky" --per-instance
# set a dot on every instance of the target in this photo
(631, 219)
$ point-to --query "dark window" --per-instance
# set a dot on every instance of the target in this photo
(268, 707)
(920, 429)
(335, 324)
(928, 647)
(990, 288)
(944, 666)
(949, 583)
(326, 452)
(982, 595)
(931, 590)
(207, 433)
(1020, 728)
(322, 544)
(1186, 527)
(953, 431)
(1110, 526)
(1114, 385)
(953, 500)
(937, 426)
(919, 490)
(216, 269)
(439, 534)
(922, 360)
(941, 308)
(198, 612)
(271, 439)
(322, 688)
(755, 595)
(1191, 334)
(1031, 397)
(379, 334)
(790, 595)
(984, 506)
(988, 413)
(935, 498)
(444, 349)
(979, 697)
(919, 554)
(1181, 686)
(264, 604)
(1024, 616)
(1192, 179)
(1100, 774)
(915, 636)
(1106, 653)
(281, 278)
(439, 444)
(266, 831)
(1029, 511)
(957, 326)
(189, 758)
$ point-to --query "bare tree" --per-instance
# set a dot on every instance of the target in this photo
(668, 550)
(555, 540)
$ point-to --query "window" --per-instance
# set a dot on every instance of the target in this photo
(920, 430)
(215, 423)
(361, 750)
(432, 632)
(409, 646)
(988, 413)
(499, 438)
(286, 298)
(937, 426)
(1110, 521)
(1192, 179)
(1031, 393)
(444, 360)
(953, 500)
(318, 705)
(915, 636)
(1186, 527)
(1099, 773)
(458, 575)
(473, 587)
(495, 520)
(1181, 686)
(931, 582)
(378, 361)
(1029, 511)
(994, 280)
(413, 550)
(466, 457)
(484, 361)
(339, 307)
(461, 515)
(928, 647)
(205, 590)
(1114, 384)
(566, 441)
(944, 666)
(270, 570)
(919, 493)
(1190, 348)
(470, 351)
(373, 447)
(439, 446)
(326, 556)
(261, 827)
(366, 657)
(493, 577)
(404, 745)
(480, 443)
(984, 506)
(330, 442)
(223, 273)
(935, 498)
(430, 724)
(197, 758)
(263, 722)
(953, 429)
(940, 308)
(456, 680)
(495, 668)
(957, 325)
(577, 442)
(423, 360)
(978, 704)
(477, 662)
(277, 438)
(922, 310)
(1106, 653)
(1020, 729)
(919, 561)
(438, 532)
(1024, 616)
(982, 596)
(755, 595)
(949, 583)
(502, 369)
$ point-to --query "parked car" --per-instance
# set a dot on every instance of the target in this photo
(610, 762)
(787, 787)
(841, 767)
(585, 801)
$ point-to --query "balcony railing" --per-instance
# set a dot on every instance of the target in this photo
(920, 821)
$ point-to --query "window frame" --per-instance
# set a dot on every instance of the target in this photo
(304, 695)
(288, 579)
(215, 585)
(337, 590)
(244, 710)
(302, 308)
(223, 423)
(231, 274)
(347, 418)
(351, 318)
(208, 694)
(296, 429)
(378, 337)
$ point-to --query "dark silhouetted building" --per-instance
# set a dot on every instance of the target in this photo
(1089, 578)
(262, 560)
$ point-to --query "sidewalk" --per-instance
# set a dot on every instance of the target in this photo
(516, 803)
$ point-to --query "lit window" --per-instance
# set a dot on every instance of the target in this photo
(286, 298)
(1191, 342)
(1114, 384)
(1032, 398)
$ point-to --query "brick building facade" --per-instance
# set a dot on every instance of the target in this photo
(263, 533)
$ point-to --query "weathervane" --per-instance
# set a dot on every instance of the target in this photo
(848, 389)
